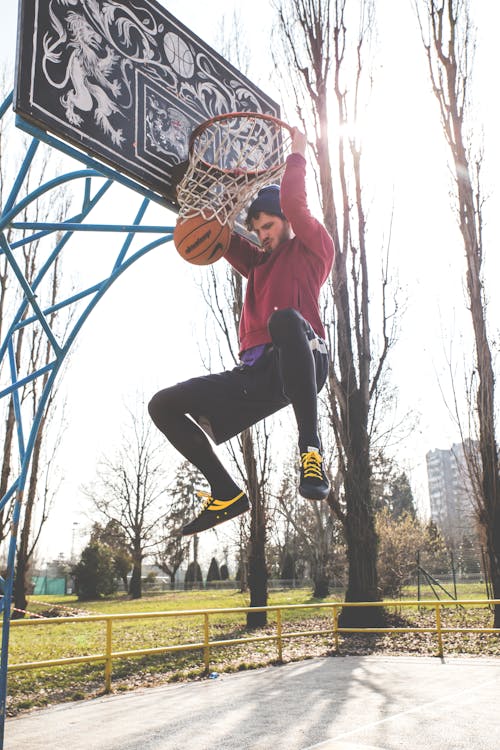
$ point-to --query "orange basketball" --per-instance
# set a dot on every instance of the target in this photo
(201, 241)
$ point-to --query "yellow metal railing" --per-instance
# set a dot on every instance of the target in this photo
(206, 645)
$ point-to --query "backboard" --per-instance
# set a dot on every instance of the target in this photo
(124, 82)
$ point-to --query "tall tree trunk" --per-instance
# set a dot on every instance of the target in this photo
(319, 572)
(350, 403)
(317, 43)
(257, 567)
(449, 56)
(321, 554)
(243, 561)
(489, 494)
(135, 586)
(39, 355)
(6, 468)
(359, 523)
(196, 543)
(25, 549)
(10, 423)
(20, 587)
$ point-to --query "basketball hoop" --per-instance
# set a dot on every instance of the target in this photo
(231, 156)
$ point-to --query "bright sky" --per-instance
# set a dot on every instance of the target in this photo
(141, 335)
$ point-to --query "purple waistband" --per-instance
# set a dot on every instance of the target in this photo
(250, 356)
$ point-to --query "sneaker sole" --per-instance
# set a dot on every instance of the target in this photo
(242, 509)
(311, 494)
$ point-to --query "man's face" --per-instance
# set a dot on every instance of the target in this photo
(271, 230)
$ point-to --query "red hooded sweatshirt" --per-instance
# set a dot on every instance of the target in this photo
(292, 274)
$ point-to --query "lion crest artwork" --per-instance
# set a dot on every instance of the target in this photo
(84, 66)
(90, 83)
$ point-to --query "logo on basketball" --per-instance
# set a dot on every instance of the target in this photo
(198, 241)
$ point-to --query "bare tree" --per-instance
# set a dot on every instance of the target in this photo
(317, 535)
(256, 459)
(317, 48)
(224, 298)
(128, 492)
(449, 45)
(32, 351)
(174, 548)
(39, 351)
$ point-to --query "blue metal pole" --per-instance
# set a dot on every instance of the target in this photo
(17, 320)
(10, 211)
(76, 226)
(80, 156)
(29, 295)
(23, 171)
(6, 104)
(94, 293)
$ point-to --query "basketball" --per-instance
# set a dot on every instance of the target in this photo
(201, 241)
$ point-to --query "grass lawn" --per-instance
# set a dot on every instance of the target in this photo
(30, 688)
(474, 590)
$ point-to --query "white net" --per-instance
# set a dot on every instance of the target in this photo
(231, 158)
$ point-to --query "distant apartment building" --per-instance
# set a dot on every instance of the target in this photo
(450, 493)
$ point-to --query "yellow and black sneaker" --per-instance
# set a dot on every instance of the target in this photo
(314, 484)
(213, 512)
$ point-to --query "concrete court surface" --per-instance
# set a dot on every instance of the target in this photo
(335, 703)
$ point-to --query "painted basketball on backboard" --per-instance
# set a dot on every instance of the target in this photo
(179, 55)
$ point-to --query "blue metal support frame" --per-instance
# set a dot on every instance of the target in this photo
(14, 234)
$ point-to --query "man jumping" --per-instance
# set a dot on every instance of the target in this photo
(283, 354)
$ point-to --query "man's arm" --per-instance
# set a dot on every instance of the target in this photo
(294, 203)
(242, 254)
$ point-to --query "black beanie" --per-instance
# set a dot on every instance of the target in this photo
(267, 200)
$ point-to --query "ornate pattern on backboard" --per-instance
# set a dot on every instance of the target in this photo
(124, 82)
